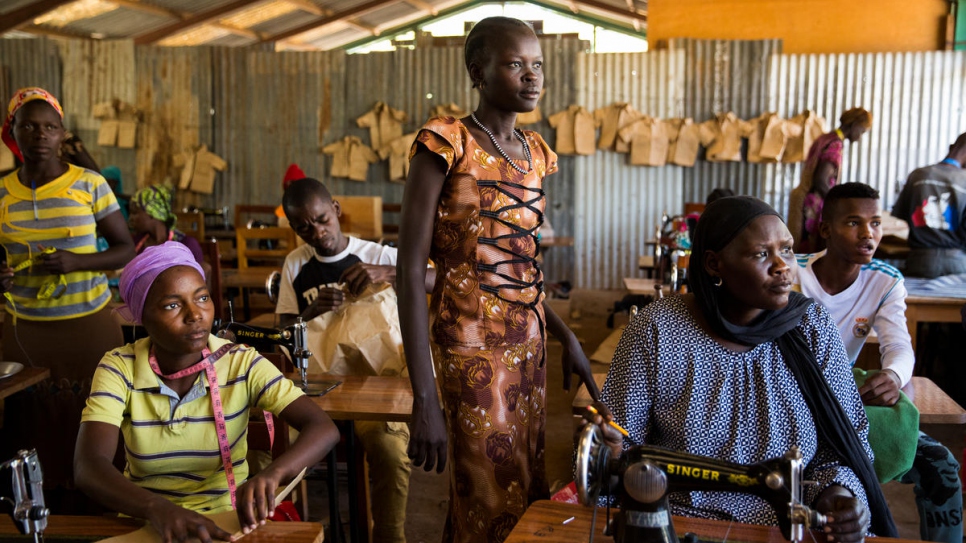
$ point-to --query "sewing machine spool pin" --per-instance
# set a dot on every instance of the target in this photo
(642, 477)
(28, 510)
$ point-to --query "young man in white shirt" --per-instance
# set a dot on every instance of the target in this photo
(308, 289)
(864, 294)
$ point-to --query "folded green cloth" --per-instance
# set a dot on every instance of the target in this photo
(893, 433)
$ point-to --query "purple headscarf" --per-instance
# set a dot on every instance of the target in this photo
(140, 273)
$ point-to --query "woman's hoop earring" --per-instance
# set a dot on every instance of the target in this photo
(717, 281)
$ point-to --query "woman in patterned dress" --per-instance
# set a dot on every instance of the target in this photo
(819, 174)
(741, 370)
(473, 202)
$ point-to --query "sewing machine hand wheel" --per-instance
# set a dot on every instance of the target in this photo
(592, 458)
(273, 284)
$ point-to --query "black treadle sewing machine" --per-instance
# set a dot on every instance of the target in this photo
(294, 338)
(642, 477)
(26, 493)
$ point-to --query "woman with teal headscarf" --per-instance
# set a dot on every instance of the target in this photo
(152, 221)
(113, 176)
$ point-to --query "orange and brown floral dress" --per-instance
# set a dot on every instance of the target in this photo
(489, 328)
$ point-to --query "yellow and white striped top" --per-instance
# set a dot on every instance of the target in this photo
(62, 214)
(170, 443)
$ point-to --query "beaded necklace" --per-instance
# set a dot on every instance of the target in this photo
(519, 135)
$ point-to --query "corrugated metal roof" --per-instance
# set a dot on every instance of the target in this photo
(120, 23)
(88, 17)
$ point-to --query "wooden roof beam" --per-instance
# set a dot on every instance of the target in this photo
(26, 14)
(192, 21)
(633, 14)
(310, 7)
(335, 17)
(423, 6)
(151, 8)
(41, 30)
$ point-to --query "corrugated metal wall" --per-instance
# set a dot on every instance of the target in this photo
(30, 63)
(261, 111)
(617, 205)
(916, 100)
(96, 72)
(725, 76)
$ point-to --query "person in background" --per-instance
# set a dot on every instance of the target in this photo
(310, 287)
(864, 294)
(292, 173)
(181, 376)
(55, 287)
(742, 369)
(473, 201)
(113, 176)
(718, 193)
(152, 221)
(820, 173)
(933, 202)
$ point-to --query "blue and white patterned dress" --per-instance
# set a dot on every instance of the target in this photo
(672, 386)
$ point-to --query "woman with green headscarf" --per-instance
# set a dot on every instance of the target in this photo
(152, 221)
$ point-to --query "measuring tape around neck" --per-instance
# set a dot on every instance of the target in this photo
(207, 365)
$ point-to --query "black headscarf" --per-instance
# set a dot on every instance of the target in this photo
(722, 221)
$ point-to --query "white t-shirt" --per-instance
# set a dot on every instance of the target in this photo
(305, 271)
(875, 301)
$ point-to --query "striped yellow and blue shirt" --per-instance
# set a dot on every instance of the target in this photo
(170, 443)
(62, 214)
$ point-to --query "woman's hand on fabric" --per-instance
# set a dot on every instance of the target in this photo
(427, 437)
(60, 262)
(575, 361)
(256, 499)
(847, 517)
(174, 523)
(6, 277)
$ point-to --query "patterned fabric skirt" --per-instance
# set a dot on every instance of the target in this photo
(495, 403)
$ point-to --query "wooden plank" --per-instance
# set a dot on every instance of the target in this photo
(547, 521)
(372, 398)
(26, 14)
(25, 378)
(633, 15)
(935, 406)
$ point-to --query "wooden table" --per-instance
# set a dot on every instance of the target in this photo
(639, 285)
(934, 405)
(930, 309)
(245, 279)
(544, 522)
(94, 528)
(23, 379)
(388, 399)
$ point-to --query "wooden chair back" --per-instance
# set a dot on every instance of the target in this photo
(248, 246)
(361, 216)
(693, 207)
(390, 225)
(212, 255)
(192, 223)
(246, 213)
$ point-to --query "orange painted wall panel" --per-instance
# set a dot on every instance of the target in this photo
(805, 26)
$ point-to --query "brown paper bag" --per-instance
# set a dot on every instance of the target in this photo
(107, 135)
(126, 134)
(362, 337)
(6, 158)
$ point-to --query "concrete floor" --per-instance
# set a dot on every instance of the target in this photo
(587, 317)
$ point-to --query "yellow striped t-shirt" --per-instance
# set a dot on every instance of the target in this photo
(176, 454)
(62, 214)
